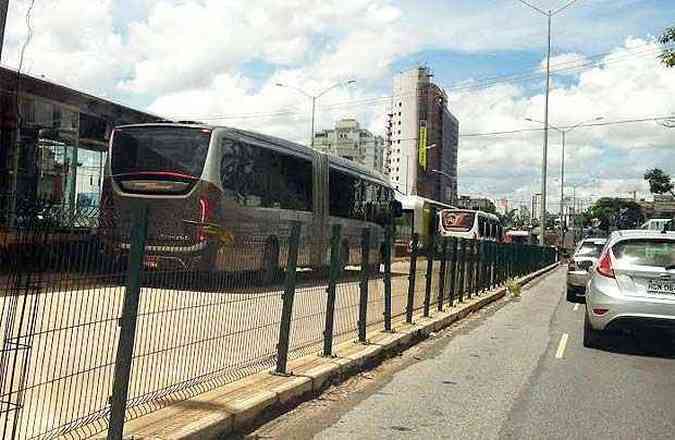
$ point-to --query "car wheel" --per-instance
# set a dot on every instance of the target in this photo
(591, 335)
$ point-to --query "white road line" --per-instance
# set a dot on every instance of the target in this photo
(576, 307)
(561, 346)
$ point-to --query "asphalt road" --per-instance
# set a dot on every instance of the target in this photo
(504, 374)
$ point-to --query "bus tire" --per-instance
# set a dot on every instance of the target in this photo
(344, 255)
(271, 261)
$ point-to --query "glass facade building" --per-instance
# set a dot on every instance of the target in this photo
(53, 145)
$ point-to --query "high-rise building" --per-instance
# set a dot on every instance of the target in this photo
(422, 138)
(352, 142)
(503, 206)
(535, 207)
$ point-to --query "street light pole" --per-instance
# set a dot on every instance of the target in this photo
(314, 98)
(562, 193)
(549, 15)
(4, 4)
(313, 115)
(545, 154)
(563, 132)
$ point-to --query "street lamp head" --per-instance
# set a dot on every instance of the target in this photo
(599, 118)
(351, 81)
(529, 119)
(280, 85)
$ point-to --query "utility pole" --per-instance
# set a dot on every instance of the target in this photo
(549, 14)
(4, 5)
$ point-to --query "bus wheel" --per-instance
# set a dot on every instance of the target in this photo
(271, 261)
(345, 255)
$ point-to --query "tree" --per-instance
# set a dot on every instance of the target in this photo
(668, 55)
(610, 212)
(509, 219)
(659, 182)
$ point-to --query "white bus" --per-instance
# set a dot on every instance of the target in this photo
(466, 223)
(420, 216)
(215, 191)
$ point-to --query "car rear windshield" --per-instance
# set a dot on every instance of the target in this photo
(590, 249)
(160, 149)
(645, 252)
(458, 220)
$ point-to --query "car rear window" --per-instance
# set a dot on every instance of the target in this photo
(645, 252)
(590, 249)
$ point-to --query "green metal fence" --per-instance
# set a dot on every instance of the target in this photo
(91, 339)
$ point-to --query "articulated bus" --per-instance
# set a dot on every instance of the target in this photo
(465, 223)
(420, 216)
(212, 191)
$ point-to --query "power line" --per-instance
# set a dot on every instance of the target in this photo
(592, 124)
(463, 86)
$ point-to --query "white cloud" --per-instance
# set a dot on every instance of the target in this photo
(186, 58)
(73, 42)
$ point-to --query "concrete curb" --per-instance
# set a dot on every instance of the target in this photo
(247, 402)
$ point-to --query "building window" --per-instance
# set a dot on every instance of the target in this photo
(399, 122)
(399, 113)
(400, 104)
(399, 132)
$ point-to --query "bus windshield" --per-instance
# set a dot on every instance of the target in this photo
(178, 150)
(458, 220)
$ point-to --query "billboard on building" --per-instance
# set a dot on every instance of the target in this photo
(422, 148)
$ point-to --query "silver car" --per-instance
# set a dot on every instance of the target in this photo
(633, 284)
(580, 266)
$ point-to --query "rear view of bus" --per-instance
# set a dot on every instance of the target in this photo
(458, 223)
(162, 165)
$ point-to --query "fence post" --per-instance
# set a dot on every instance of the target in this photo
(441, 280)
(333, 272)
(469, 270)
(388, 235)
(411, 280)
(430, 266)
(288, 297)
(462, 269)
(365, 273)
(453, 271)
(480, 265)
(127, 323)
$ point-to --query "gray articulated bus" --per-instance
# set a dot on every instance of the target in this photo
(212, 191)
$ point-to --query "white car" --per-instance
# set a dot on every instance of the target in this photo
(580, 266)
(633, 284)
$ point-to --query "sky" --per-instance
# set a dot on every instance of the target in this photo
(220, 60)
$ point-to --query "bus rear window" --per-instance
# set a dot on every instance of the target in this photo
(179, 150)
(458, 220)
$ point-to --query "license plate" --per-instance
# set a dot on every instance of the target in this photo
(661, 287)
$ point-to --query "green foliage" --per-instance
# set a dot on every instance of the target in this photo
(668, 54)
(659, 182)
(513, 287)
(610, 211)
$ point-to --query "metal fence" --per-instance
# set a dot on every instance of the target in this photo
(91, 338)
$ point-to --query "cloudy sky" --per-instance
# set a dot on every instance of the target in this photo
(219, 60)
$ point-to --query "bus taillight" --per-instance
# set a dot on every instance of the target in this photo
(205, 208)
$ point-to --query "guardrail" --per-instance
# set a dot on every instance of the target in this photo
(92, 338)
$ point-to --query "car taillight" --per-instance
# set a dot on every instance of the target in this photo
(605, 265)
